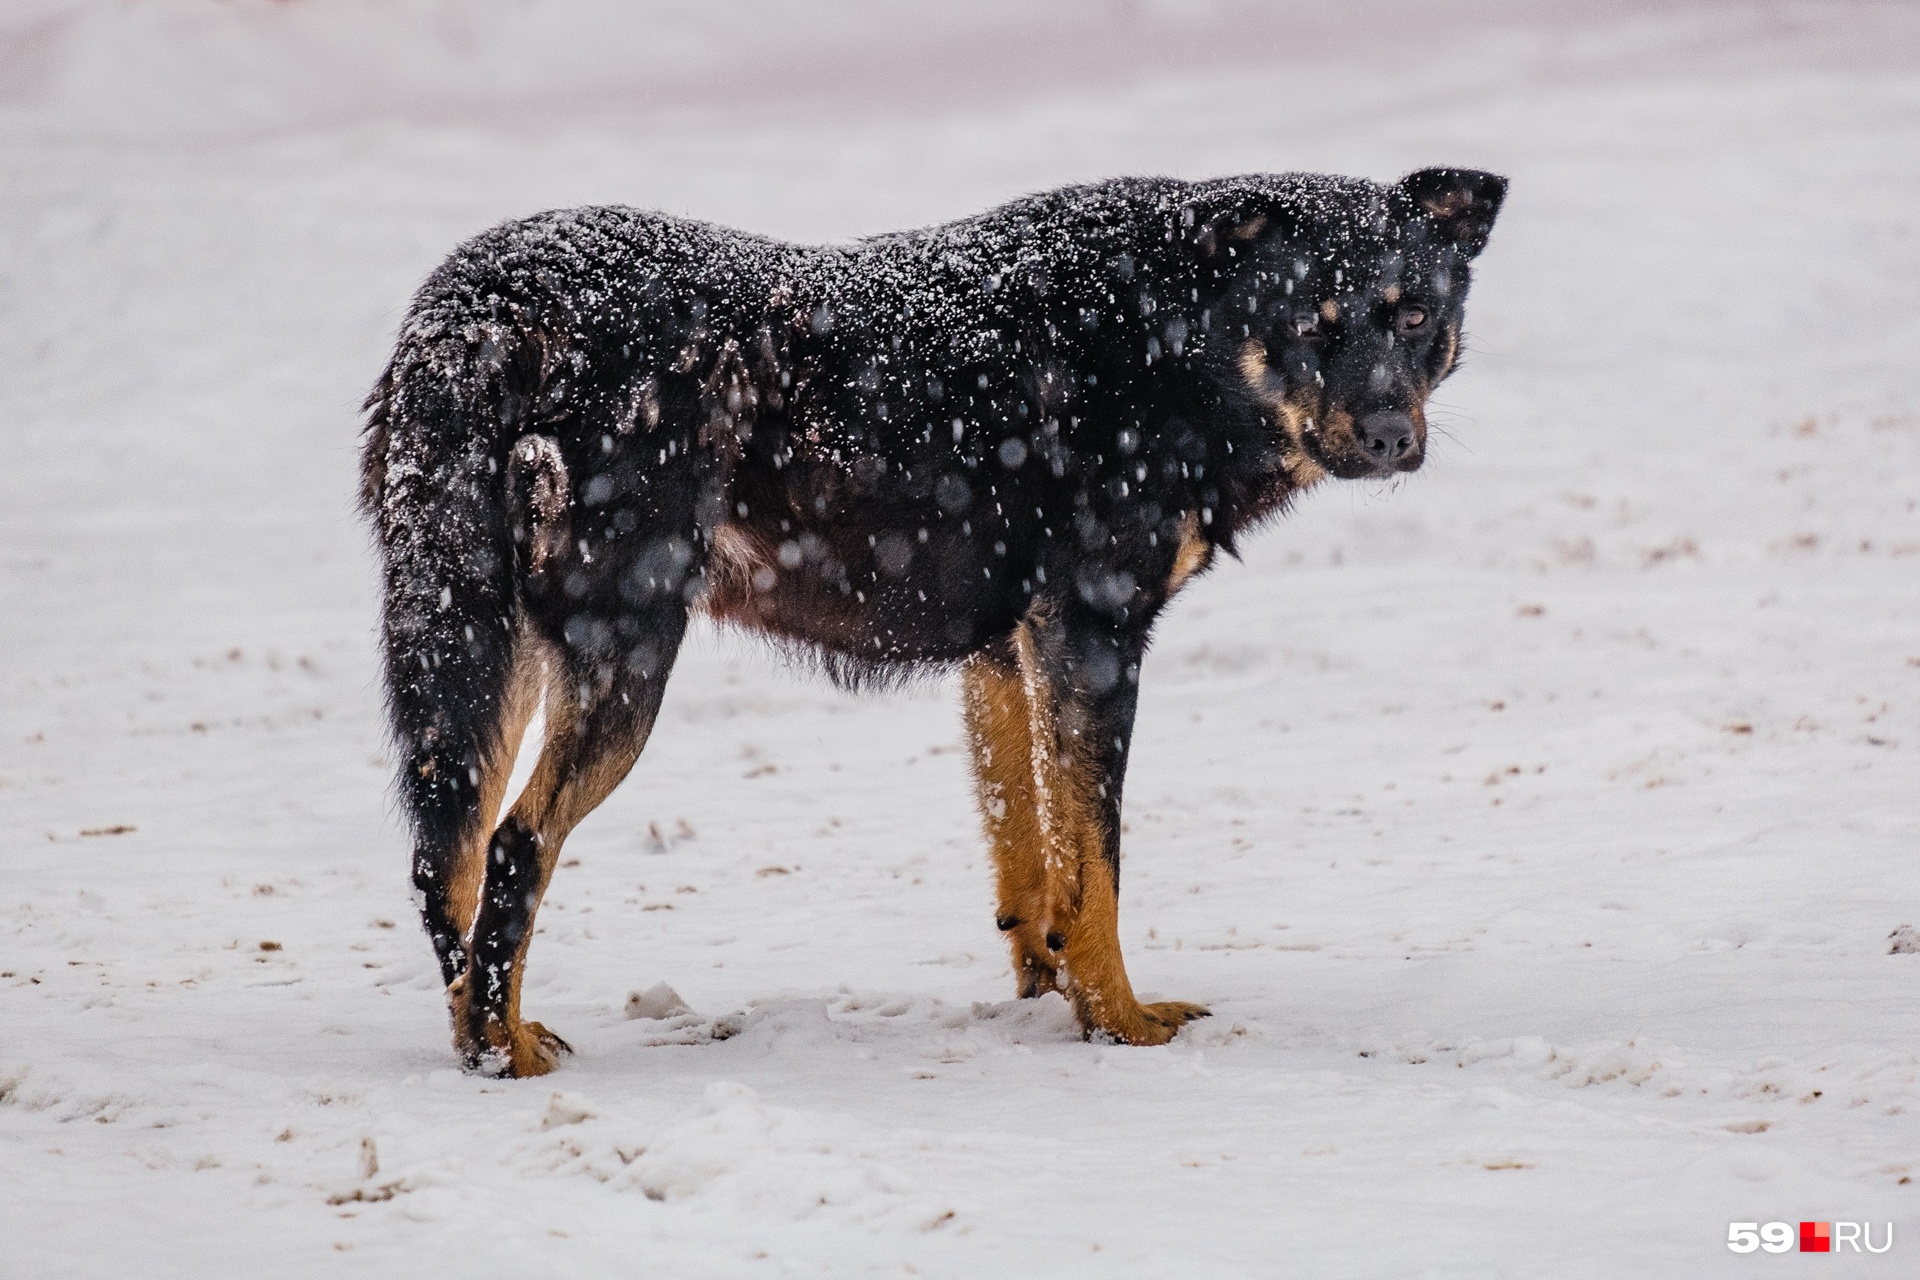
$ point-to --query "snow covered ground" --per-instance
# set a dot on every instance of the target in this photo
(1535, 828)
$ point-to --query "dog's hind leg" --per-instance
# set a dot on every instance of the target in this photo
(599, 713)
(1000, 734)
(459, 694)
(450, 895)
(1081, 678)
(453, 787)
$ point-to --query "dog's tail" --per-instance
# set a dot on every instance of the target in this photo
(466, 500)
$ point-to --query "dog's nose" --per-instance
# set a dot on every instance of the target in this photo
(1387, 437)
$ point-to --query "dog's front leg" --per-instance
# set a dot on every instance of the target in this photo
(1000, 724)
(1082, 674)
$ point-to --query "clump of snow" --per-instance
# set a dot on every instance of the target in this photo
(657, 1001)
(738, 1154)
(732, 1154)
(565, 1109)
(785, 1026)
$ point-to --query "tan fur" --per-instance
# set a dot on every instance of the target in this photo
(1081, 893)
(1057, 806)
(537, 476)
(1301, 468)
(1294, 419)
(525, 684)
(999, 731)
(1097, 975)
(1253, 367)
(748, 588)
(1194, 554)
(1251, 228)
(1037, 802)
(571, 778)
(1448, 205)
(736, 557)
(1337, 428)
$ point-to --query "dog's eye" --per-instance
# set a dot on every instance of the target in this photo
(1412, 318)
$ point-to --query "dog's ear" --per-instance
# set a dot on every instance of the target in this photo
(1462, 202)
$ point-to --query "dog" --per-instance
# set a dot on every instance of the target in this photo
(997, 446)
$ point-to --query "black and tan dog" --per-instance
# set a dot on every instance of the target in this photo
(999, 445)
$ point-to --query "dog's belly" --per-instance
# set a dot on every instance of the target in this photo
(884, 596)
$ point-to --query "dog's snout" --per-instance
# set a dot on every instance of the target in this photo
(1388, 438)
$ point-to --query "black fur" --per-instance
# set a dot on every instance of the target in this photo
(886, 454)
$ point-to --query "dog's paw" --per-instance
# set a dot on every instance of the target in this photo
(1149, 1024)
(1175, 1013)
(520, 1052)
(1034, 977)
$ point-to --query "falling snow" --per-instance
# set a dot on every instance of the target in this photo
(1538, 828)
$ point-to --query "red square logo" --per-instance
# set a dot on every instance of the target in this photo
(1816, 1237)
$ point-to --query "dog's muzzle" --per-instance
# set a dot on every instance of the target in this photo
(1389, 440)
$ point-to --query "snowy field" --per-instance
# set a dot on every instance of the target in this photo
(1535, 827)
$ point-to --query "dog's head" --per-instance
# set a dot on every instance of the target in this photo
(1345, 313)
